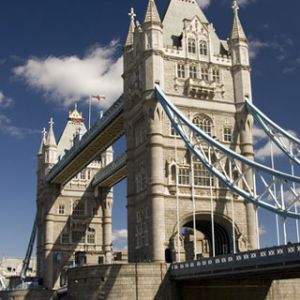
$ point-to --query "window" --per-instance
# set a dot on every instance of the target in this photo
(204, 124)
(78, 208)
(184, 176)
(204, 74)
(173, 131)
(91, 238)
(181, 71)
(203, 48)
(82, 175)
(201, 175)
(191, 46)
(216, 75)
(65, 237)
(193, 72)
(61, 209)
(227, 134)
(78, 237)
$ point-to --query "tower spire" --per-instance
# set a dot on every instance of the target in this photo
(152, 15)
(51, 137)
(129, 40)
(43, 142)
(237, 32)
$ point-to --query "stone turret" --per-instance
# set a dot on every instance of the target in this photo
(240, 58)
(242, 87)
(50, 147)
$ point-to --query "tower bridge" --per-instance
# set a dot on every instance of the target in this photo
(193, 185)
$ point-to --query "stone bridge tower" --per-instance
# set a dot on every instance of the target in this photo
(74, 222)
(208, 79)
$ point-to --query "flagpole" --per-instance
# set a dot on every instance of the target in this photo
(90, 111)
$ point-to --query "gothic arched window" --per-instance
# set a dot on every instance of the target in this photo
(203, 48)
(204, 123)
(216, 75)
(191, 46)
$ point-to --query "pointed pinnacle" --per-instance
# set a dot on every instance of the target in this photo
(152, 14)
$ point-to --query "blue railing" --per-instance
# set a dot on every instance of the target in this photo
(259, 258)
(113, 112)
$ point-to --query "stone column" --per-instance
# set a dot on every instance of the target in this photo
(48, 258)
(107, 202)
(156, 194)
(247, 151)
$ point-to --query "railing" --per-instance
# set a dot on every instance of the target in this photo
(259, 258)
(107, 118)
(110, 169)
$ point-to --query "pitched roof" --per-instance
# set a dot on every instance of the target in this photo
(152, 15)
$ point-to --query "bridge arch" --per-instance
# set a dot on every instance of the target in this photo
(223, 232)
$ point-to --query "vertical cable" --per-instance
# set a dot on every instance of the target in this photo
(256, 211)
(212, 207)
(194, 206)
(274, 190)
(294, 187)
(232, 211)
(177, 198)
(283, 207)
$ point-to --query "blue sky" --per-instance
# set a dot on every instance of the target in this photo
(52, 53)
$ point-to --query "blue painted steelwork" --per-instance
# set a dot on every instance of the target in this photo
(276, 133)
(110, 170)
(274, 257)
(181, 123)
(113, 112)
(27, 258)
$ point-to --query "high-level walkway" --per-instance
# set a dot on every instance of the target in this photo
(102, 135)
(269, 263)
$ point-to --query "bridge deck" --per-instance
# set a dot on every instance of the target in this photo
(112, 173)
(106, 131)
(273, 263)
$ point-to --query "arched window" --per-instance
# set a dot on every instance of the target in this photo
(203, 48)
(191, 46)
(216, 75)
(204, 123)
(193, 72)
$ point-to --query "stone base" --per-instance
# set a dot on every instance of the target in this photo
(241, 289)
(116, 282)
(26, 295)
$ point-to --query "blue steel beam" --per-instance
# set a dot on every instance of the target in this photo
(182, 124)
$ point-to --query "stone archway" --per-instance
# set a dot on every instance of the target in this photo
(222, 231)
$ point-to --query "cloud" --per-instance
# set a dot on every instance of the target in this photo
(67, 79)
(255, 46)
(5, 101)
(203, 3)
(262, 230)
(7, 128)
(265, 151)
(119, 238)
(245, 2)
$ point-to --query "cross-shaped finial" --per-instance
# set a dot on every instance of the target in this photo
(132, 14)
(44, 132)
(51, 123)
(235, 6)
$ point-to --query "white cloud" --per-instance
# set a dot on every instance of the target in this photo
(245, 2)
(6, 127)
(119, 234)
(5, 101)
(262, 230)
(71, 78)
(265, 151)
(255, 46)
(203, 3)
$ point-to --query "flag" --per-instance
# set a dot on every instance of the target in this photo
(99, 98)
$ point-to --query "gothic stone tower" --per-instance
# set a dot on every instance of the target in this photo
(71, 218)
(208, 79)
